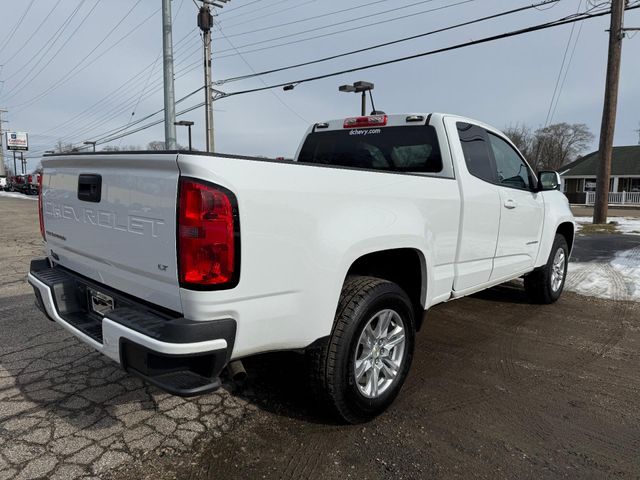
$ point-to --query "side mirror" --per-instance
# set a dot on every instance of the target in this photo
(548, 180)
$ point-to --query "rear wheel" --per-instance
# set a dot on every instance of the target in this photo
(359, 370)
(545, 284)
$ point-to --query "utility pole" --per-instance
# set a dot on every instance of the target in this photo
(205, 22)
(616, 34)
(3, 171)
(169, 91)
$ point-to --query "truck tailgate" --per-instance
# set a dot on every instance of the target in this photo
(112, 218)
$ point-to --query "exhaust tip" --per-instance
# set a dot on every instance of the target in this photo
(236, 371)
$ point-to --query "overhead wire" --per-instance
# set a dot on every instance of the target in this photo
(564, 21)
(307, 19)
(566, 72)
(274, 94)
(386, 44)
(137, 104)
(247, 4)
(346, 30)
(33, 34)
(78, 68)
(114, 95)
(270, 6)
(49, 43)
(344, 22)
(15, 28)
(539, 27)
(26, 81)
(559, 78)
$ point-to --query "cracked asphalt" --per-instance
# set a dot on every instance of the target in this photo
(66, 411)
(499, 388)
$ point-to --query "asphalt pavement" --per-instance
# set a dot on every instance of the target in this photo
(499, 388)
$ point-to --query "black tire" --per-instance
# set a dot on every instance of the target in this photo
(539, 284)
(332, 361)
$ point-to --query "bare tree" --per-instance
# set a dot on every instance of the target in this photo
(561, 143)
(65, 147)
(523, 138)
(159, 145)
(123, 148)
(156, 145)
(553, 146)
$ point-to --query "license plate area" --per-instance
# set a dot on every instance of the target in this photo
(99, 302)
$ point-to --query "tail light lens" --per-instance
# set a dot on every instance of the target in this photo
(40, 206)
(208, 236)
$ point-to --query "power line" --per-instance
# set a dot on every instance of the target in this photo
(301, 20)
(563, 21)
(239, 7)
(564, 58)
(386, 44)
(566, 73)
(126, 105)
(32, 35)
(344, 22)
(270, 6)
(535, 28)
(77, 69)
(13, 31)
(50, 42)
(280, 100)
(122, 128)
(114, 94)
(324, 35)
(22, 84)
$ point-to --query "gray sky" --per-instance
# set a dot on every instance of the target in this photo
(54, 73)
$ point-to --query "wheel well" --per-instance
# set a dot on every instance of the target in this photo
(403, 266)
(566, 230)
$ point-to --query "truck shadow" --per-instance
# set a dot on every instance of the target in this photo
(511, 292)
(279, 382)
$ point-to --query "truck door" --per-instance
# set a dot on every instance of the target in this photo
(522, 211)
(480, 219)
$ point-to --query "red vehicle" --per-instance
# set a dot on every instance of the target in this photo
(27, 184)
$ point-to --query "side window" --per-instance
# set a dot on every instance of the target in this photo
(475, 146)
(512, 171)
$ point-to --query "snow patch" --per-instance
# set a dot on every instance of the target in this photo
(626, 225)
(18, 195)
(616, 280)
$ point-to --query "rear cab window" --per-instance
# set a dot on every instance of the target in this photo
(407, 149)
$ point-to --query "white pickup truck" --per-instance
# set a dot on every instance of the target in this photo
(176, 263)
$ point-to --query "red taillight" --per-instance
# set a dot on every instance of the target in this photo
(208, 250)
(40, 205)
(370, 121)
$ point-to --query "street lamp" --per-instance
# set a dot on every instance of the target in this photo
(92, 144)
(360, 87)
(188, 124)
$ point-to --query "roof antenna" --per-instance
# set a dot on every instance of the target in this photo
(374, 112)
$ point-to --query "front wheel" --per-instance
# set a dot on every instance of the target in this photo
(359, 370)
(545, 284)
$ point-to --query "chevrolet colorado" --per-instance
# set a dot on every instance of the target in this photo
(176, 263)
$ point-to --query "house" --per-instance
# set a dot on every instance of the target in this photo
(579, 177)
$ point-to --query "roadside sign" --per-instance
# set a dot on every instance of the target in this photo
(18, 141)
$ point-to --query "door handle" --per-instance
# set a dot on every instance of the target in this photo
(510, 204)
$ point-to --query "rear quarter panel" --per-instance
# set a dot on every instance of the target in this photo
(301, 229)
